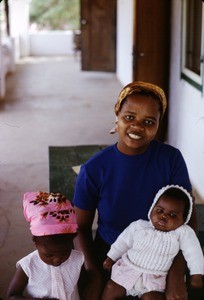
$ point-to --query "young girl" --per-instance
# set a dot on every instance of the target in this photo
(53, 270)
(145, 250)
(121, 180)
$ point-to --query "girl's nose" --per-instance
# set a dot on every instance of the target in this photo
(57, 261)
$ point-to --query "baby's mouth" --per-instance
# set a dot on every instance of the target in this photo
(161, 223)
(134, 136)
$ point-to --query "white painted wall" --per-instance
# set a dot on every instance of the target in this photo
(47, 43)
(186, 112)
(19, 25)
(124, 40)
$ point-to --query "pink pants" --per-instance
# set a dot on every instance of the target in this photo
(135, 282)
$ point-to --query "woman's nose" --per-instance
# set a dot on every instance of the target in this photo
(137, 125)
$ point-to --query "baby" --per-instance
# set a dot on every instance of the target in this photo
(143, 253)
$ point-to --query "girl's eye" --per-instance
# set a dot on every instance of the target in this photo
(48, 255)
(159, 211)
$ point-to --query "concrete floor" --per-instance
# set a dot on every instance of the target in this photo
(49, 102)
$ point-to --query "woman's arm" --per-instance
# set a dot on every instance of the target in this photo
(84, 242)
(176, 286)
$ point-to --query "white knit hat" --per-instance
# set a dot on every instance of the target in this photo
(161, 192)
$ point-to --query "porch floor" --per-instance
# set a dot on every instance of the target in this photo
(49, 102)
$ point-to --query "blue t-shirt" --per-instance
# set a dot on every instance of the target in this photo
(122, 187)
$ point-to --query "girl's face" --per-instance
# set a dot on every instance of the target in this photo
(168, 213)
(138, 122)
(53, 254)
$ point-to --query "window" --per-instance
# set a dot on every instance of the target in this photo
(192, 42)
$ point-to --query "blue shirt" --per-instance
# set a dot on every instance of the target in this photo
(122, 187)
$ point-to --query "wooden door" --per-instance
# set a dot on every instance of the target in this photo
(152, 45)
(98, 35)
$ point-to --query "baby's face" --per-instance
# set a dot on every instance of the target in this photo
(53, 254)
(167, 214)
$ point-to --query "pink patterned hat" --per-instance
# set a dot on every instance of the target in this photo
(49, 213)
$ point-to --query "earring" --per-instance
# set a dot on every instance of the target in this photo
(114, 129)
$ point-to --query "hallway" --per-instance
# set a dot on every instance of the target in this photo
(49, 102)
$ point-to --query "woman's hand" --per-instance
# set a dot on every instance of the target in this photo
(176, 286)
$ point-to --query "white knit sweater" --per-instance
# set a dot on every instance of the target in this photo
(152, 251)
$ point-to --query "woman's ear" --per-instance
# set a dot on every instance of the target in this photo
(114, 129)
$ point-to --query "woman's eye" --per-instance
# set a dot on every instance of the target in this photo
(129, 117)
(148, 122)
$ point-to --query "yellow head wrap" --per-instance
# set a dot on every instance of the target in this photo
(138, 87)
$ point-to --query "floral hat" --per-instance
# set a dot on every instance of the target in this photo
(49, 213)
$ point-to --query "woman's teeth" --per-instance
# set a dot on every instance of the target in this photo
(134, 136)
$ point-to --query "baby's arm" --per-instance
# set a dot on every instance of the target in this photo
(18, 285)
(196, 281)
(108, 263)
(193, 255)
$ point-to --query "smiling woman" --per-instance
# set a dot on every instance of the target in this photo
(121, 180)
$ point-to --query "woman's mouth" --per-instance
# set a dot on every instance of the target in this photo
(134, 136)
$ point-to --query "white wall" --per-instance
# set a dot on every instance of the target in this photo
(51, 43)
(19, 25)
(125, 9)
(186, 112)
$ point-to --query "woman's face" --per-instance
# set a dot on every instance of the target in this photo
(167, 213)
(138, 122)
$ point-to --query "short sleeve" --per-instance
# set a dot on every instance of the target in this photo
(86, 192)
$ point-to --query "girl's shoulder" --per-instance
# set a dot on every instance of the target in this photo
(29, 261)
(77, 255)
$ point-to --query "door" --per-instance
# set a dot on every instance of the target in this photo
(98, 35)
(152, 46)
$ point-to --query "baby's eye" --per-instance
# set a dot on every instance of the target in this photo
(159, 210)
(173, 215)
(129, 117)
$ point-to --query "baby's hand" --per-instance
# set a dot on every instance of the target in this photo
(107, 264)
(196, 281)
